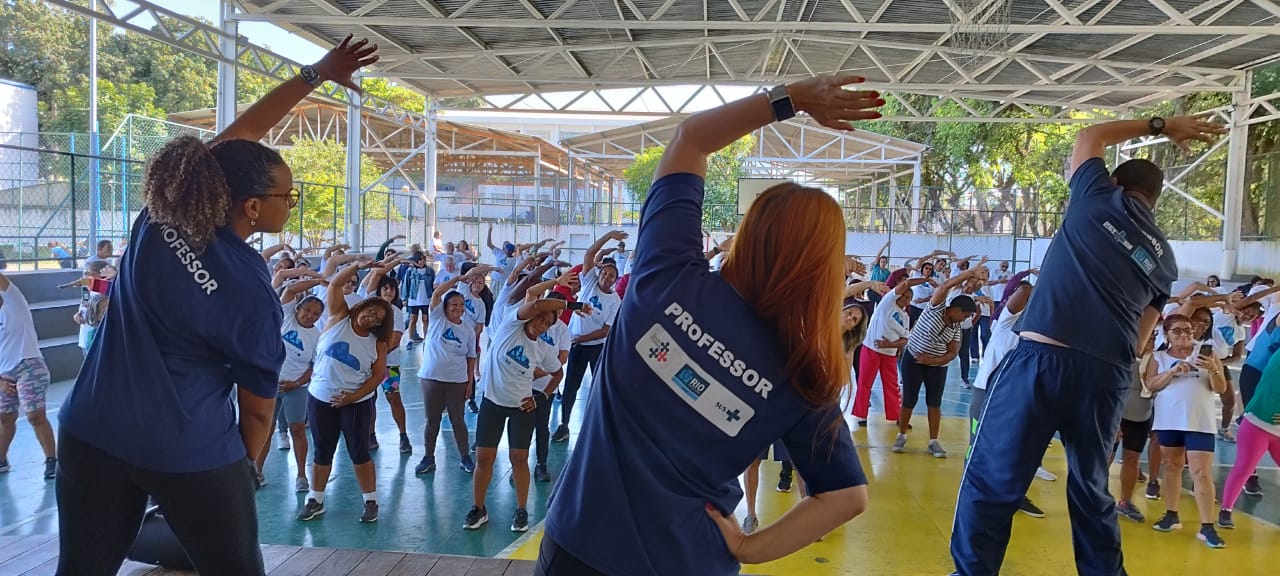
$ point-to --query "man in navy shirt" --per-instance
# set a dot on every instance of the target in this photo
(1103, 282)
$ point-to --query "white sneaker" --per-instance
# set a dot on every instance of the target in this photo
(1046, 475)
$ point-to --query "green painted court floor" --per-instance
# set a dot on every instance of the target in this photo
(425, 513)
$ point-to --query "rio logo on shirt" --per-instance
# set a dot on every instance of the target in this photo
(291, 337)
(689, 382)
(517, 354)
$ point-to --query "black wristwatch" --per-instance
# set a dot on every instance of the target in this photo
(309, 75)
(781, 102)
(1156, 125)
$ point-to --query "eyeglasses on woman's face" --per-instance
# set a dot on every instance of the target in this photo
(1180, 331)
(292, 196)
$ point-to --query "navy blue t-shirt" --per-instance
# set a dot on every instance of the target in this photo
(1107, 264)
(692, 388)
(181, 329)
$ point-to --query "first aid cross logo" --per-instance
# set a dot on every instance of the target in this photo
(660, 351)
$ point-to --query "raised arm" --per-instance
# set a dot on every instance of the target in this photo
(1250, 300)
(382, 249)
(445, 287)
(338, 65)
(589, 259)
(920, 262)
(271, 252)
(1092, 141)
(704, 133)
(521, 288)
(331, 264)
(336, 302)
(880, 252)
(336, 249)
(857, 288)
(940, 295)
(277, 279)
(489, 238)
(380, 269)
(292, 291)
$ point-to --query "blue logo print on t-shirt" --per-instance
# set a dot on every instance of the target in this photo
(449, 335)
(546, 337)
(471, 308)
(595, 302)
(897, 317)
(517, 354)
(291, 337)
(1228, 334)
(341, 351)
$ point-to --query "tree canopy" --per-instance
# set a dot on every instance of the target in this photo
(720, 205)
(319, 167)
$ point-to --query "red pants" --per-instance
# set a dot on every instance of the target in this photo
(871, 363)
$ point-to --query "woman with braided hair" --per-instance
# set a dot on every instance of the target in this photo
(149, 414)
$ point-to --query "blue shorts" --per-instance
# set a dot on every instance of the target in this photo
(1192, 441)
(293, 406)
(392, 384)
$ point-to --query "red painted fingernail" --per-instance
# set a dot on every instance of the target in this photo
(710, 508)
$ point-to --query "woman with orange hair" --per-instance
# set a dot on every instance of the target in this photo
(702, 371)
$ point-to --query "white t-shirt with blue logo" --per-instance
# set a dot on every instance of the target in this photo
(692, 387)
(507, 373)
(299, 344)
(473, 305)
(344, 362)
(558, 339)
(505, 264)
(448, 345)
(888, 322)
(604, 307)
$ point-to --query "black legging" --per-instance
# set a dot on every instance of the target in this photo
(542, 427)
(966, 336)
(556, 561)
(579, 357)
(102, 500)
(1249, 378)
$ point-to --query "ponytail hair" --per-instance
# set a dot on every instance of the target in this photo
(192, 186)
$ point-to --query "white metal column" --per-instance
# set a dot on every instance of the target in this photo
(1233, 194)
(95, 182)
(354, 199)
(226, 103)
(915, 197)
(430, 170)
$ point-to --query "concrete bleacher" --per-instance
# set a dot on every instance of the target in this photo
(52, 309)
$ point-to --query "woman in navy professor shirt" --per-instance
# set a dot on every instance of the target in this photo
(151, 413)
(702, 371)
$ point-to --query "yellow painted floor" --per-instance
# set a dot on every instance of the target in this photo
(906, 529)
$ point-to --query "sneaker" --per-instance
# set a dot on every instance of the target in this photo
(541, 474)
(1210, 537)
(370, 514)
(1026, 506)
(1153, 490)
(406, 447)
(1168, 523)
(300, 484)
(520, 523)
(1225, 521)
(471, 405)
(4, 466)
(1046, 475)
(467, 464)
(784, 481)
(476, 518)
(428, 464)
(1142, 477)
(935, 449)
(311, 510)
(750, 523)
(1252, 486)
(900, 445)
(1128, 510)
(282, 441)
(1226, 435)
(50, 468)
(965, 383)
(262, 480)
(561, 435)
(373, 442)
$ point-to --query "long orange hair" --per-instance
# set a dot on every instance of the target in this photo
(787, 263)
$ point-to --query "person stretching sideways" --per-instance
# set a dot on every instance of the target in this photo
(1105, 277)
(886, 337)
(933, 343)
(1259, 434)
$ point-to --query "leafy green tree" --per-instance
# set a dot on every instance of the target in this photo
(398, 95)
(720, 207)
(43, 47)
(115, 101)
(319, 166)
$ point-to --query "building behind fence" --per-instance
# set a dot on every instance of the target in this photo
(46, 184)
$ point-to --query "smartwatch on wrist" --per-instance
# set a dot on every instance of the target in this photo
(309, 75)
(781, 102)
(1156, 125)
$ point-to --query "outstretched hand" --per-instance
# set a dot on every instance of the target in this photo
(826, 100)
(1182, 129)
(344, 59)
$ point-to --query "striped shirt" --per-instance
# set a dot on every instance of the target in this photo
(932, 334)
